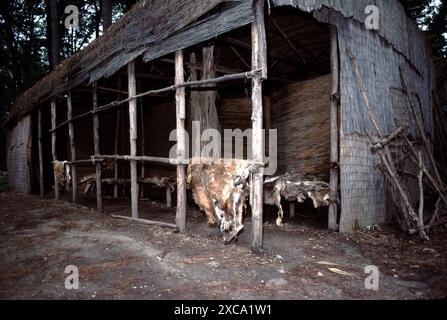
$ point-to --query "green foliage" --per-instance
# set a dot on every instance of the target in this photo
(431, 15)
(24, 40)
(22, 43)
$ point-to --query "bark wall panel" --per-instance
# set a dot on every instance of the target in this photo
(363, 196)
(363, 188)
(18, 146)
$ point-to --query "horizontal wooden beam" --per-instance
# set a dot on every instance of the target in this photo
(148, 76)
(173, 162)
(255, 164)
(86, 161)
(219, 68)
(100, 89)
(230, 77)
(144, 221)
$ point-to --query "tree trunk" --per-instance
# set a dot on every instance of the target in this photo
(203, 103)
(6, 12)
(106, 14)
(55, 45)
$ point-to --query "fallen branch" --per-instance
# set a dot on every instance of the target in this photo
(144, 221)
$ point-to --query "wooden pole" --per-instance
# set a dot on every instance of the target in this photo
(143, 142)
(144, 221)
(53, 145)
(117, 130)
(99, 202)
(259, 61)
(157, 92)
(71, 134)
(168, 197)
(180, 218)
(41, 173)
(335, 162)
(133, 137)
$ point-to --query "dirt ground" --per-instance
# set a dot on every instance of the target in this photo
(119, 259)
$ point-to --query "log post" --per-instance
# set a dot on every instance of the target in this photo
(133, 137)
(71, 134)
(117, 130)
(53, 146)
(335, 165)
(180, 218)
(143, 142)
(168, 197)
(259, 61)
(203, 103)
(99, 202)
(41, 173)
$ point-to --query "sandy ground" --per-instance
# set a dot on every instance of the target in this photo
(118, 259)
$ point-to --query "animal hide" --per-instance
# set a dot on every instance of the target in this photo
(220, 188)
(294, 187)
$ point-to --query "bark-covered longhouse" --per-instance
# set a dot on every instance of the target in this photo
(304, 39)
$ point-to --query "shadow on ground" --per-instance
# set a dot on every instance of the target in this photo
(118, 259)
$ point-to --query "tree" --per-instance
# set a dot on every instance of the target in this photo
(54, 33)
(106, 14)
(431, 16)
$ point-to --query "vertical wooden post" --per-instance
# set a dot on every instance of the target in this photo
(168, 197)
(71, 134)
(334, 171)
(39, 133)
(117, 130)
(99, 202)
(180, 218)
(143, 142)
(259, 61)
(133, 137)
(53, 145)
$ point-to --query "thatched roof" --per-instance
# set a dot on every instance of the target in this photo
(153, 28)
(144, 27)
